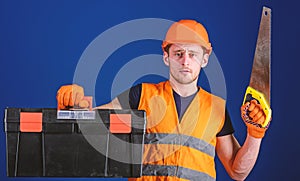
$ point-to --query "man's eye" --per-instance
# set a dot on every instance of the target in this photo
(178, 54)
(193, 55)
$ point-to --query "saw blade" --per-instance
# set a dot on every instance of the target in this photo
(260, 81)
(261, 70)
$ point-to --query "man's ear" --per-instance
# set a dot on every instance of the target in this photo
(205, 60)
(166, 58)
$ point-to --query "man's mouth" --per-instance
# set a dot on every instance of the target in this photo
(185, 70)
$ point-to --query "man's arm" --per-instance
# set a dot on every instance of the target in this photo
(238, 160)
(128, 99)
(70, 95)
(114, 104)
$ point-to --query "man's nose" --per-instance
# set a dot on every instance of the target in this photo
(185, 59)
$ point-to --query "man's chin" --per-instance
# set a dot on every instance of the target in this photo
(186, 81)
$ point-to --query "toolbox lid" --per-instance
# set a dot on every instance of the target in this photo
(46, 120)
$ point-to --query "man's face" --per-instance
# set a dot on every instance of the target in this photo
(185, 62)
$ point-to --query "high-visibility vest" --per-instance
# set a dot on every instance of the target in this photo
(182, 150)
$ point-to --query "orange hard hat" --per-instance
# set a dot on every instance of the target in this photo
(188, 31)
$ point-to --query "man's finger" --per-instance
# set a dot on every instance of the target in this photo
(78, 97)
(60, 106)
(253, 104)
(71, 99)
(254, 112)
(67, 98)
(84, 104)
(58, 98)
(245, 106)
(258, 115)
(261, 120)
(61, 95)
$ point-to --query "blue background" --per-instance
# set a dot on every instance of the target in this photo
(42, 41)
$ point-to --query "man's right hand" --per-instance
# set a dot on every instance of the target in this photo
(70, 96)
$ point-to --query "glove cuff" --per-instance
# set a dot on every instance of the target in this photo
(255, 131)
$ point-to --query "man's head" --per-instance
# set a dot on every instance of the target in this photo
(186, 50)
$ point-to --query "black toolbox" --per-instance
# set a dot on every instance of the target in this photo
(108, 145)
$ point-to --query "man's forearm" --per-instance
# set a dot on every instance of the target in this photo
(114, 104)
(245, 158)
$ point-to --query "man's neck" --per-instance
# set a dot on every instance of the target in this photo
(184, 90)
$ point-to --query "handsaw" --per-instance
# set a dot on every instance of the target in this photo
(260, 81)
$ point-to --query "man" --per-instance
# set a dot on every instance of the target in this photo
(185, 124)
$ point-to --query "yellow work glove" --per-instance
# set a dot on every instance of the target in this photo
(71, 96)
(253, 116)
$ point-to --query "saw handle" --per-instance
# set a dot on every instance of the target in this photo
(260, 98)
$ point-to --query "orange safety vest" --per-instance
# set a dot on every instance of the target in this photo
(179, 151)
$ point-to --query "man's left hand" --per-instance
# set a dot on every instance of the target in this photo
(254, 116)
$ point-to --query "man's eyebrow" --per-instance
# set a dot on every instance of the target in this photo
(182, 50)
(179, 50)
(193, 51)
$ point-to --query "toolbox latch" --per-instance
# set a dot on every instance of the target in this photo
(31, 121)
(120, 123)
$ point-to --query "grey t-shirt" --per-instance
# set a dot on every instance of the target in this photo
(182, 103)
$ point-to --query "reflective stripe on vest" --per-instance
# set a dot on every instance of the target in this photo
(183, 140)
(175, 171)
